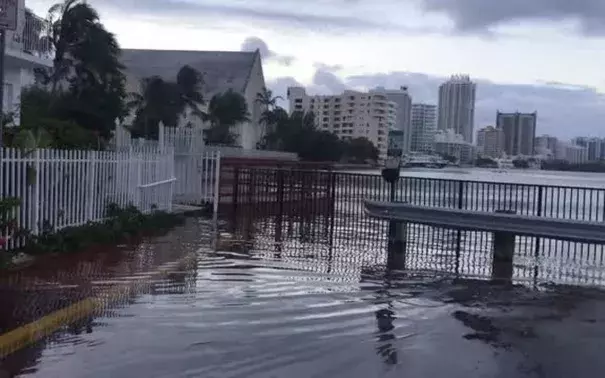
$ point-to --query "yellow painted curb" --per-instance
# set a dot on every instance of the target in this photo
(23, 336)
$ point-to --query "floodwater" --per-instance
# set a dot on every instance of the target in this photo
(309, 303)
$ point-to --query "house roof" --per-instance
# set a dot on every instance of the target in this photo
(222, 70)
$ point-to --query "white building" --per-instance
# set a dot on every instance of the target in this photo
(403, 122)
(424, 127)
(26, 49)
(490, 142)
(546, 146)
(571, 152)
(350, 115)
(457, 106)
(449, 143)
(239, 71)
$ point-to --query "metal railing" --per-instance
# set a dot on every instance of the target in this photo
(32, 37)
(332, 204)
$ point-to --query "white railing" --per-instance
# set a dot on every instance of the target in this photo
(32, 37)
(60, 188)
(197, 178)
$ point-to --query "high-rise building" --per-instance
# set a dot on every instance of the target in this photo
(424, 127)
(594, 149)
(395, 142)
(490, 141)
(402, 98)
(451, 144)
(519, 132)
(350, 115)
(546, 146)
(457, 106)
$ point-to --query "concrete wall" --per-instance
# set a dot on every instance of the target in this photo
(252, 132)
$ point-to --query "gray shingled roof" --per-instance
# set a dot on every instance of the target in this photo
(222, 70)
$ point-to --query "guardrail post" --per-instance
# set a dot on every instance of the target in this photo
(504, 251)
(397, 244)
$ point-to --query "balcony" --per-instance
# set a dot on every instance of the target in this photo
(29, 46)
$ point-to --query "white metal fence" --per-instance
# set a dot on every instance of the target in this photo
(60, 188)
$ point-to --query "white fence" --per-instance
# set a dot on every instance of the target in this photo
(60, 188)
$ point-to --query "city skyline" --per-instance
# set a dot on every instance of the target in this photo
(319, 47)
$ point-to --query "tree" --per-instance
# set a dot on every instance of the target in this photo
(86, 80)
(359, 150)
(269, 104)
(225, 110)
(165, 101)
(297, 133)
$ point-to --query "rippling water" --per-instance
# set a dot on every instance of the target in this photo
(306, 305)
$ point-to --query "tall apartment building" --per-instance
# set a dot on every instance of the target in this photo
(593, 147)
(546, 146)
(424, 127)
(449, 143)
(350, 115)
(403, 101)
(519, 132)
(572, 153)
(490, 141)
(457, 106)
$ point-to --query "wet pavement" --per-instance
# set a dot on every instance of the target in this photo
(311, 303)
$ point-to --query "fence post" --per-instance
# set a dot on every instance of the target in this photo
(217, 185)
(280, 205)
(234, 195)
(538, 241)
(459, 232)
(138, 183)
(92, 183)
(36, 208)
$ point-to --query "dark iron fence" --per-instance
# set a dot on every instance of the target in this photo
(327, 206)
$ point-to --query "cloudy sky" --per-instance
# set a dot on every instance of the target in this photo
(526, 55)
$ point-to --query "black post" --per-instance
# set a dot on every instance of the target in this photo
(459, 232)
(280, 206)
(537, 248)
(397, 230)
(2, 52)
(234, 195)
(504, 251)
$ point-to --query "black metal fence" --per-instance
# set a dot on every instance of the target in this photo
(327, 207)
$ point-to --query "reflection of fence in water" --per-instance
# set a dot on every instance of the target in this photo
(331, 211)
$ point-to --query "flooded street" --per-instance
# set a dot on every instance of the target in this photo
(308, 305)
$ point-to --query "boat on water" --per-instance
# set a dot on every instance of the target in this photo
(423, 161)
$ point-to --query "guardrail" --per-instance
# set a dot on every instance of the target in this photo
(520, 225)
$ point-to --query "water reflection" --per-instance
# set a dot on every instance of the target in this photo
(306, 301)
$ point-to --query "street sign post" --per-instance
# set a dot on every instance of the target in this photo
(9, 13)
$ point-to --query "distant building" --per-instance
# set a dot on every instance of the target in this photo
(519, 132)
(546, 146)
(396, 142)
(490, 142)
(350, 115)
(594, 147)
(457, 106)
(239, 71)
(403, 101)
(424, 127)
(572, 153)
(449, 143)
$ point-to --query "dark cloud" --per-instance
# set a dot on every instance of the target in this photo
(254, 43)
(563, 110)
(314, 16)
(475, 15)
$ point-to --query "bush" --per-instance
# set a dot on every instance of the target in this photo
(120, 225)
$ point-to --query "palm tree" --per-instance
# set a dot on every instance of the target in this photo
(225, 110)
(269, 103)
(85, 51)
(164, 101)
